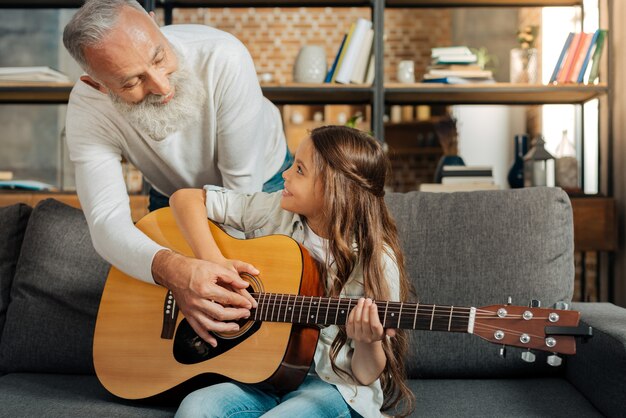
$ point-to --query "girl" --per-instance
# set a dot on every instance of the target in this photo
(333, 203)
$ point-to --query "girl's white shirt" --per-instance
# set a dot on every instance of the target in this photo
(260, 214)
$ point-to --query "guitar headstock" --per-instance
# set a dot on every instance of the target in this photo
(544, 329)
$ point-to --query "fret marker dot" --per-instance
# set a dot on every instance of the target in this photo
(311, 316)
(393, 314)
(342, 311)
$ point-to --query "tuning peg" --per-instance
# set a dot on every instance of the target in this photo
(528, 356)
(554, 360)
(534, 303)
(502, 351)
(561, 305)
(509, 300)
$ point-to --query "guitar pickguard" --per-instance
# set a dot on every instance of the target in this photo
(189, 348)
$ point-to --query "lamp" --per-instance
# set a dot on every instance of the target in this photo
(538, 165)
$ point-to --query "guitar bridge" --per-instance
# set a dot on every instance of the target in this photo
(170, 314)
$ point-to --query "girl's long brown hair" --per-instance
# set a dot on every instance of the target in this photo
(352, 167)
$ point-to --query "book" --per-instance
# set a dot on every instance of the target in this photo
(457, 80)
(585, 42)
(559, 62)
(597, 56)
(461, 73)
(454, 59)
(344, 73)
(454, 67)
(465, 171)
(562, 77)
(25, 185)
(342, 54)
(467, 179)
(360, 68)
(32, 74)
(449, 50)
(371, 69)
(585, 64)
(459, 187)
(331, 71)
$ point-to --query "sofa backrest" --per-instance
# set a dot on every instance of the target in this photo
(462, 249)
(477, 249)
(54, 296)
(13, 221)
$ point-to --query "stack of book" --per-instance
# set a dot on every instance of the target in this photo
(462, 178)
(354, 61)
(32, 74)
(455, 65)
(579, 61)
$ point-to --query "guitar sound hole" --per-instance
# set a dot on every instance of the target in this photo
(189, 348)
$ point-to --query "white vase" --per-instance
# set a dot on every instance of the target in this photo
(310, 65)
(524, 68)
(406, 72)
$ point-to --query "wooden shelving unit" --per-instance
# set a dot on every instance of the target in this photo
(35, 93)
(138, 203)
(480, 3)
(497, 93)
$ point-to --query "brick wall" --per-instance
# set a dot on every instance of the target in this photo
(275, 35)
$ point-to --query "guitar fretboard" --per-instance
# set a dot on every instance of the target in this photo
(297, 309)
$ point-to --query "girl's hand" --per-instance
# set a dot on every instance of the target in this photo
(364, 324)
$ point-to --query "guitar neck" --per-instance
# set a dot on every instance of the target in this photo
(317, 310)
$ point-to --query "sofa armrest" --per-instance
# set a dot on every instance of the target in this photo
(598, 370)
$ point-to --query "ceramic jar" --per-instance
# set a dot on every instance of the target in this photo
(310, 65)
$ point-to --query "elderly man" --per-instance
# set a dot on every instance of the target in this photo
(183, 104)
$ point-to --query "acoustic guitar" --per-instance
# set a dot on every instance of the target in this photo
(143, 346)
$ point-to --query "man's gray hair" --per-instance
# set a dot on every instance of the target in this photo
(91, 23)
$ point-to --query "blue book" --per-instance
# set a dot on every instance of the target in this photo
(458, 80)
(329, 76)
(592, 46)
(559, 62)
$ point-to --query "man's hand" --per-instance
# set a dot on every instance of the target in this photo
(202, 291)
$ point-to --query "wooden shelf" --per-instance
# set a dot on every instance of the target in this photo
(395, 93)
(498, 93)
(265, 3)
(42, 4)
(595, 223)
(54, 4)
(48, 93)
(480, 3)
(138, 203)
(318, 93)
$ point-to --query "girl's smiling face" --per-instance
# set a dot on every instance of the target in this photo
(303, 192)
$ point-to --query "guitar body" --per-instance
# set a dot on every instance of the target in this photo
(143, 347)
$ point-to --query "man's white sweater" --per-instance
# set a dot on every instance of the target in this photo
(238, 143)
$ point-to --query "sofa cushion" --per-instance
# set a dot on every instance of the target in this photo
(55, 295)
(499, 398)
(476, 249)
(62, 395)
(13, 220)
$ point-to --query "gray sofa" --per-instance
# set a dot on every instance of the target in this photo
(462, 249)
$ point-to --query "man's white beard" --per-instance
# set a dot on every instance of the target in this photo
(160, 120)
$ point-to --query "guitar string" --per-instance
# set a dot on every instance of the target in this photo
(441, 311)
(336, 303)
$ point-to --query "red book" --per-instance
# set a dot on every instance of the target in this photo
(567, 65)
(585, 43)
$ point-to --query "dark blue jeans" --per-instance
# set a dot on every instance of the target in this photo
(158, 200)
